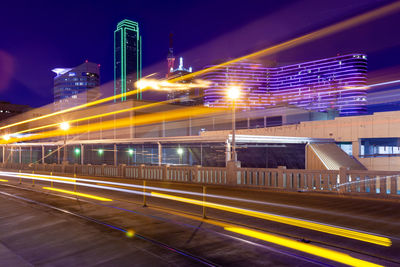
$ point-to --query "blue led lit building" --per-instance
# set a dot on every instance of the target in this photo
(76, 86)
(337, 83)
(127, 58)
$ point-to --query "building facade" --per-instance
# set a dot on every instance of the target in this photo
(76, 86)
(127, 58)
(337, 83)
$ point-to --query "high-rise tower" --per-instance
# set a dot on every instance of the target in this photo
(170, 57)
(127, 58)
(76, 86)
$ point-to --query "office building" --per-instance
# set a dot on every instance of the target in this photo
(337, 83)
(76, 86)
(127, 58)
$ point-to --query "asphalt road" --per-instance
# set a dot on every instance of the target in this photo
(180, 226)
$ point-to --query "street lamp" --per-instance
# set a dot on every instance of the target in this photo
(65, 127)
(180, 152)
(233, 94)
(130, 154)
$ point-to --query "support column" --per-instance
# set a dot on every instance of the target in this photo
(82, 154)
(355, 145)
(30, 154)
(4, 154)
(228, 152)
(159, 154)
(201, 154)
(142, 154)
(58, 154)
(20, 155)
(43, 155)
(115, 154)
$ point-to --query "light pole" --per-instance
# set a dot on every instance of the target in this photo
(233, 94)
(65, 127)
(180, 152)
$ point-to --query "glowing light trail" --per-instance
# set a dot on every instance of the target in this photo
(307, 248)
(2, 180)
(379, 240)
(77, 194)
(96, 116)
(53, 178)
(164, 85)
(282, 241)
(68, 109)
(366, 237)
(385, 10)
(124, 122)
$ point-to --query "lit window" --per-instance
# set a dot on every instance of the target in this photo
(71, 74)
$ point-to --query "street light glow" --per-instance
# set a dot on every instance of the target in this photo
(64, 126)
(100, 151)
(179, 151)
(77, 151)
(130, 151)
(233, 92)
(6, 137)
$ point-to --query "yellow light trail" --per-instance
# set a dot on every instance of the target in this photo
(103, 100)
(385, 10)
(2, 180)
(307, 248)
(296, 41)
(77, 194)
(378, 240)
(281, 241)
(95, 116)
(47, 178)
(121, 123)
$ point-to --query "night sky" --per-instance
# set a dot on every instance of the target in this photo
(37, 36)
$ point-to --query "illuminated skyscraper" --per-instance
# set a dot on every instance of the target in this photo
(76, 86)
(336, 83)
(127, 58)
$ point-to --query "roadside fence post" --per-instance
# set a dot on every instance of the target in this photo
(144, 194)
(204, 200)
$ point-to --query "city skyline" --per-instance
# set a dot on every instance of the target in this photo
(194, 48)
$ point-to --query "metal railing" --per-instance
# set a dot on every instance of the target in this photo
(380, 183)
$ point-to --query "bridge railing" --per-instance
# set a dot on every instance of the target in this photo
(382, 183)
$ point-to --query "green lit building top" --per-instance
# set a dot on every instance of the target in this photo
(127, 58)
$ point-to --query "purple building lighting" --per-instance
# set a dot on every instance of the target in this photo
(333, 83)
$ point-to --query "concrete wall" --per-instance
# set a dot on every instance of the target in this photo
(343, 129)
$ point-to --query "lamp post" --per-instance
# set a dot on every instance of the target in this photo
(233, 94)
(180, 152)
(65, 127)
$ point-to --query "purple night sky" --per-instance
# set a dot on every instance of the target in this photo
(37, 36)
